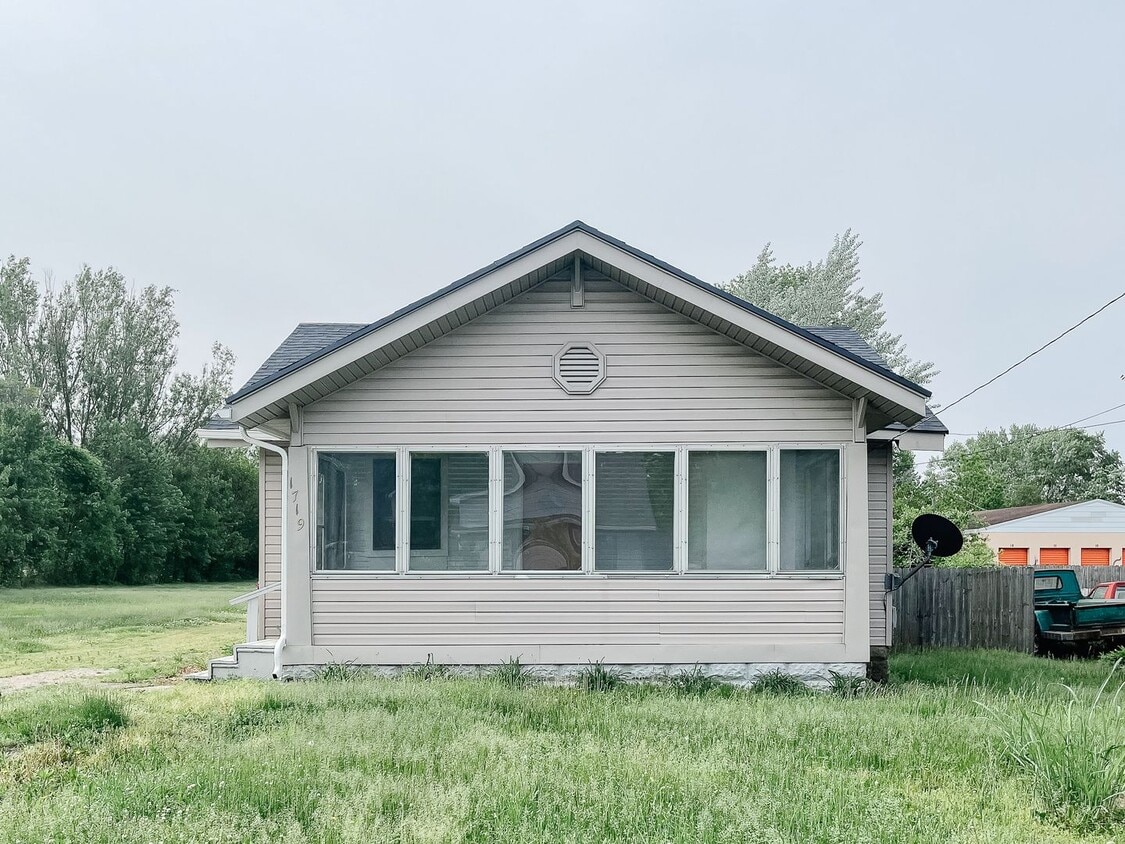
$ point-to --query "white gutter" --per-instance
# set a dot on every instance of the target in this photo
(284, 454)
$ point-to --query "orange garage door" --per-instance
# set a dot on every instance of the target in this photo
(1013, 556)
(1054, 556)
(1095, 556)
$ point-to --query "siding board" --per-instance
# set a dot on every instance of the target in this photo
(269, 553)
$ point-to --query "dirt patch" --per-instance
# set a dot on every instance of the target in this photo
(21, 682)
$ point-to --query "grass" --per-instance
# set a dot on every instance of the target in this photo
(495, 759)
(143, 632)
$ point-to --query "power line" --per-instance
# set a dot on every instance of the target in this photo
(1021, 361)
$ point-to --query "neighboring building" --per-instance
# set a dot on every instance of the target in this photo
(577, 453)
(1087, 533)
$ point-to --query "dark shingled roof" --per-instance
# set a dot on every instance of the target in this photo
(577, 226)
(306, 339)
(849, 339)
(1008, 514)
(217, 423)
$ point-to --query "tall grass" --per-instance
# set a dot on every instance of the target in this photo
(1073, 753)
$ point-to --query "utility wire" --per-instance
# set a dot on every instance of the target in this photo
(1020, 362)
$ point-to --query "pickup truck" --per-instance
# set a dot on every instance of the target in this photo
(1114, 590)
(1066, 622)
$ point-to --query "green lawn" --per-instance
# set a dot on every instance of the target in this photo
(140, 632)
(477, 761)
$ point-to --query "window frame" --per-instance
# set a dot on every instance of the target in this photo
(588, 453)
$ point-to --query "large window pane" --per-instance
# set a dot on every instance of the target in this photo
(727, 511)
(810, 510)
(633, 511)
(449, 512)
(355, 512)
(542, 511)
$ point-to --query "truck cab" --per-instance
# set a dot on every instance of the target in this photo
(1067, 621)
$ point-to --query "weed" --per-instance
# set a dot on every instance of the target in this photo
(513, 673)
(71, 719)
(338, 672)
(595, 677)
(777, 682)
(428, 670)
(848, 686)
(695, 682)
(1115, 656)
(1074, 754)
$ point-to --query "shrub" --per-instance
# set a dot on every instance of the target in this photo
(595, 677)
(695, 682)
(777, 682)
(1074, 754)
(428, 670)
(513, 673)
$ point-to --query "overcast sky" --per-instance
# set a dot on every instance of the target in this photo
(278, 163)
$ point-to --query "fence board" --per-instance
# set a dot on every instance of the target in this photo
(976, 608)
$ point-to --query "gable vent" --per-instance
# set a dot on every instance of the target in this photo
(579, 367)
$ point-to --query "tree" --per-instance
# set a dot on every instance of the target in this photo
(828, 293)
(30, 509)
(1025, 464)
(94, 353)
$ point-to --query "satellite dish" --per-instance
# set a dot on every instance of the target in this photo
(936, 536)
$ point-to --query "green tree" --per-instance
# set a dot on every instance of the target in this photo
(96, 352)
(30, 508)
(828, 292)
(153, 507)
(1025, 464)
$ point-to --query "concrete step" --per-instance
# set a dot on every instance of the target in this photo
(249, 660)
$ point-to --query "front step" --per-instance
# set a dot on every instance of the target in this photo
(249, 660)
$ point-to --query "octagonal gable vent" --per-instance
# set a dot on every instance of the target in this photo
(579, 367)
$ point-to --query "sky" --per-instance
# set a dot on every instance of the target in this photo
(280, 162)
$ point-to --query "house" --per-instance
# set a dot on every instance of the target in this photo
(576, 453)
(1087, 533)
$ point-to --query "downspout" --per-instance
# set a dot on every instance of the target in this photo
(284, 454)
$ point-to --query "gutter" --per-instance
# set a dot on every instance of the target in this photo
(279, 647)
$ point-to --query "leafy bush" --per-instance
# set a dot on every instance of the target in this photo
(1074, 755)
(513, 673)
(428, 670)
(777, 682)
(695, 682)
(595, 677)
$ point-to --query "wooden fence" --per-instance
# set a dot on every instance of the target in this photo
(976, 608)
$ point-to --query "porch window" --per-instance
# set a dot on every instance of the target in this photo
(727, 511)
(355, 512)
(810, 510)
(542, 511)
(634, 510)
(449, 511)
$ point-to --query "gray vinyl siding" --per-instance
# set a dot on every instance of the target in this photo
(521, 616)
(879, 537)
(269, 545)
(670, 380)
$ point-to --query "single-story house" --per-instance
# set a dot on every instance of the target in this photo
(577, 453)
(1087, 533)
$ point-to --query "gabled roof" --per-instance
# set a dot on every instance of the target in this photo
(308, 338)
(367, 347)
(1094, 516)
(1007, 514)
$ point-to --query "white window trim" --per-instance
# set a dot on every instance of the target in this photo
(589, 489)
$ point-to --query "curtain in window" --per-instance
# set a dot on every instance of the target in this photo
(727, 511)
